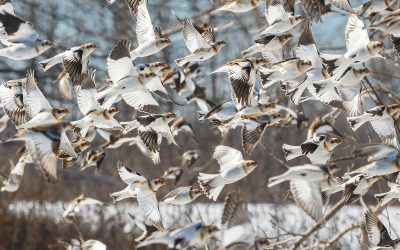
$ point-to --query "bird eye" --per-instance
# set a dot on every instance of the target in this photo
(141, 68)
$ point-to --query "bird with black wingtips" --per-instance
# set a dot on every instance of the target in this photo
(318, 149)
(242, 76)
(268, 43)
(93, 158)
(20, 37)
(201, 46)
(381, 120)
(126, 83)
(150, 38)
(378, 234)
(94, 114)
(181, 195)
(232, 168)
(142, 189)
(280, 18)
(13, 181)
(38, 107)
(173, 173)
(12, 100)
(77, 204)
(151, 130)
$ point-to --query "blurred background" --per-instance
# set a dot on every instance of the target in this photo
(74, 22)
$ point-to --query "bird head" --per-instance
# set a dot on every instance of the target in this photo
(220, 43)
(286, 37)
(297, 19)
(169, 116)
(90, 46)
(113, 111)
(60, 113)
(249, 165)
(45, 44)
(157, 183)
(163, 42)
(83, 144)
(209, 230)
(304, 65)
(260, 61)
(331, 143)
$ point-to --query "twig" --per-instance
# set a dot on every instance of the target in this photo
(337, 237)
(276, 157)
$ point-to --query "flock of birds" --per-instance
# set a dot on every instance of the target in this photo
(309, 75)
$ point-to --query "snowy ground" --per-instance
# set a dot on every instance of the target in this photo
(290, 217)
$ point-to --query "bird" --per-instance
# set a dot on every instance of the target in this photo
(286, 70)
(380, 118)
(93, 245)
(173, 173)
(79, 54)
(242, 76)
(21, 39)
(94, 114)
(393, 193)
(315, 9)
(268, 43)
(142, 189)
(371, 7)
(232, 168)
(38, 107)
(193, 234)
(42, 144)
(237, 228)
(388, 24)
(13, 181)
(307, 172)
(376, 152)
(93, 158)
(318, 149)
(378, 168)
(64, 85)
(79, 145)
(201, 46)
(189, 158)
(77, 204)
(11, 95)
(126, 83)
(151, 130)
(182, 125)
(280, 18)
(254, 127)
(150, 39)
(359, 48)
(378, 235)
(181, 196)
(237, 6)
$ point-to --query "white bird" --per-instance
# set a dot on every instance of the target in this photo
(126, 83)
(201, 46)
(12, 100)
(151, 130)
(181, 196)
(318, 149)
(150, 39)
(307, 172)
(359, 48)
(142, 189)
(280, 20)
(95, 114)
(267, 43)
(21, 39)
(393, 193)
(38, 107)
(378, 234)
(232, 168)
(12, 183)
(381, 120)
(77, 204)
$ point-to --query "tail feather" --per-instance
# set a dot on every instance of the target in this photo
(356, 122)
(206, 182)
(121, 195)
(49, 63)
(291, 152)
(201, 115)
(277, 179)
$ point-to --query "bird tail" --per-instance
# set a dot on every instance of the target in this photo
(48, 63)
(291, 152)
(221, 69)
(277, 179)
(357, 121)
(121, 195)
(207, 184)
(336, 65)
